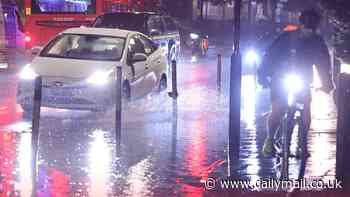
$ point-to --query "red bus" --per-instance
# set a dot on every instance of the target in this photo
(46, 18)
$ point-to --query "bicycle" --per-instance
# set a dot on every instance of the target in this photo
(291, 121)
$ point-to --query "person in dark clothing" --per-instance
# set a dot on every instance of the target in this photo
(300, 48)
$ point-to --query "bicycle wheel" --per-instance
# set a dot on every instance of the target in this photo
(277, 140)
(278, 148)
(287, 130)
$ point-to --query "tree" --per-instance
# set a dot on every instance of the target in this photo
(339, 16)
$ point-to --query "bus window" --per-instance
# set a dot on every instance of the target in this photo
(63, 6)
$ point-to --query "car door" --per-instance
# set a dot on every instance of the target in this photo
(138, 68)
(153, 65)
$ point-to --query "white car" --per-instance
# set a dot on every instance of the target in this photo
(78, 68)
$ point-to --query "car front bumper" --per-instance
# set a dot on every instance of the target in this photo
(82, 96)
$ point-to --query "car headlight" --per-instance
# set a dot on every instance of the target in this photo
(251, 57)
(194, 36)
(27, 73)
(98, 78)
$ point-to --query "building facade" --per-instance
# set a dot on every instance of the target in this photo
(278, 11)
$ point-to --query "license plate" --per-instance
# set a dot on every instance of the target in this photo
(60, 92)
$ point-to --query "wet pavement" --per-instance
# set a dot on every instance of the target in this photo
(167, 147)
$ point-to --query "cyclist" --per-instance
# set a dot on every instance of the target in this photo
(303, 47)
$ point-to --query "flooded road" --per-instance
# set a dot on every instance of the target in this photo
(168, 148)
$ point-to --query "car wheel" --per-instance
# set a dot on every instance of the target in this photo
(163, 84)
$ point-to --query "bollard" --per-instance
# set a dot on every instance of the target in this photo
(118, 107)
(35, 130)
(174, 92)
(219, 68)
(174, 136)
(235, 98)
(234, 113)
(174, 131)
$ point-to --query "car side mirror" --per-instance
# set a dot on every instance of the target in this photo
(36, 50)
(139, 57)
(154, 32)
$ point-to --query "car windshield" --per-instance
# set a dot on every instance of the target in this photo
(134, 22)
(91, 47)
